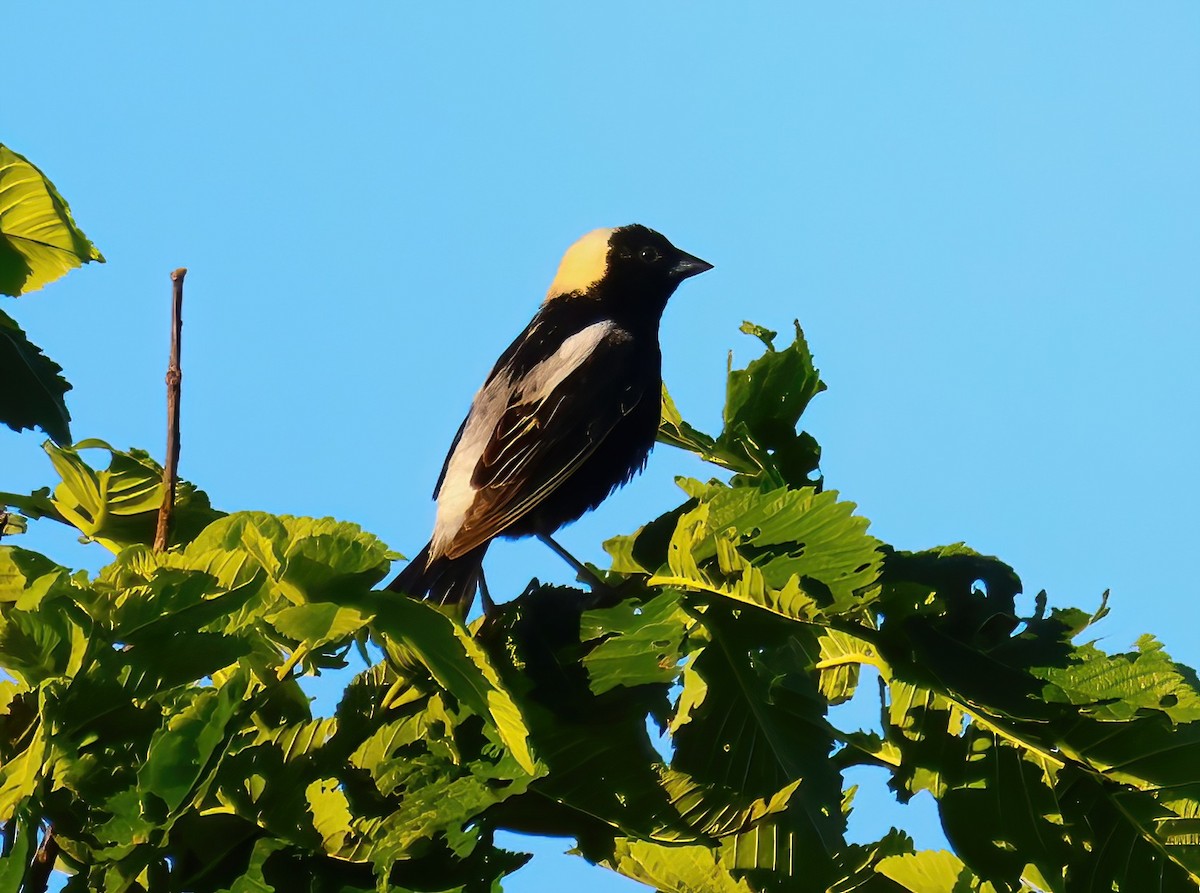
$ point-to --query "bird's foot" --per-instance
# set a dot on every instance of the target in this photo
(606, 595)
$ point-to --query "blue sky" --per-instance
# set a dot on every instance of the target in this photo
(986, 217)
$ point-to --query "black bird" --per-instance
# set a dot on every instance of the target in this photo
(568, 414)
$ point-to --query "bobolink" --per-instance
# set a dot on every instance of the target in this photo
(568, 414)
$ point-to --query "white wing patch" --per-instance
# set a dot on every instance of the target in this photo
(457, 493)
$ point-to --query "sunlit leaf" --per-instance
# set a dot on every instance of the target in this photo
(677, 869)
(39, 240)
(118, 506)
(932, 871)
(638, 643)
(319, 623)
(458, 662)
(798, 553)
(1116, 687)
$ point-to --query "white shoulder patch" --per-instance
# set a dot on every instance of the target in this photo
(584, 264)
(550, 373)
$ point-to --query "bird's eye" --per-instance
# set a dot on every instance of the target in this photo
(649, 254)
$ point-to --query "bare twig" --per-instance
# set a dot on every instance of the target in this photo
(38, 878)
(174, 377)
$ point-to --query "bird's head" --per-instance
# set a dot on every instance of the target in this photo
(630, 267)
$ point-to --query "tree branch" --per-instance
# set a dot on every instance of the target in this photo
(174, 377)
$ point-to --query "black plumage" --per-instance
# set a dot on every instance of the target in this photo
(569, 412)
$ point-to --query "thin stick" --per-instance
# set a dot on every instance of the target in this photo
(174, 377)
(38, 878)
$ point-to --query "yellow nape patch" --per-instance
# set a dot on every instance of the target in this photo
(583, 265)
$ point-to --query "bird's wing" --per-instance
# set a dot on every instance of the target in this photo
(540, 440)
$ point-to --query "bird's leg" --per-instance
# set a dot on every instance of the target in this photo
(584, 574)
(489, 606)
(603, 595)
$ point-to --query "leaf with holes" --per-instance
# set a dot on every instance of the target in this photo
(637, 643)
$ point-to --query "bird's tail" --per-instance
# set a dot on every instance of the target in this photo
(444, 581)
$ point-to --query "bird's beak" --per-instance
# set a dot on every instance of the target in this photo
(686, 265)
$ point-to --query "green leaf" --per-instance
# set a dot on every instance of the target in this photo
(118, 506)
(180, 753)
(32, 395)
(1122, 836)
(1002, 811)
(599, 758)
(443, 785)
(23, 572)
(43, 633)
(798, 553)
(763, 334)
(857, 863)
(317, 624)
(15, 863)
(458, 664)
(932, 871)
(927, 729)
(672, 869)
(39, 240)
(11, 524)
(153, 713)
(330, 812)
(252, 880)
(676, 432)
(1043, 784)
(841, 655)
(755, 723)
(771, 393)
(36, 505)
(763, 404)
(1117, 687)
(639, 643)
(19, 776)
(309, 559)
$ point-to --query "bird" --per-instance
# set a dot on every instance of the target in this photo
(568, 414)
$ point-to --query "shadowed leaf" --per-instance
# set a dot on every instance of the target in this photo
(31, 388)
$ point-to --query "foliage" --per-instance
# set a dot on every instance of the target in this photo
(155, 732)
(154, 715)
(39, 242)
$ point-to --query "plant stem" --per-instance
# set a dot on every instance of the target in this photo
(174, 377)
